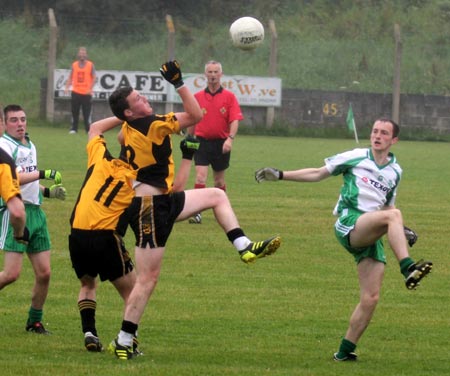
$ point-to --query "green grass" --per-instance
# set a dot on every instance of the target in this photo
(213, 315)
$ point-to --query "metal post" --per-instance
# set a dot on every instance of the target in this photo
(170, 49)
(397, 74)
(270, 112)
(53, 37)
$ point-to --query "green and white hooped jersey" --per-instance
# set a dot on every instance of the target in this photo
(367, 187)
(25, 157)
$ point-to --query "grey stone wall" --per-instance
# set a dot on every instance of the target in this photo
(315, 108)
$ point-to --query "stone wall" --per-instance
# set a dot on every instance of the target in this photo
(315, 108)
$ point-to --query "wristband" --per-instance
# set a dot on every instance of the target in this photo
(41, 174)
(179, 85)
(47, 192)
(232, 137)
(281, 175)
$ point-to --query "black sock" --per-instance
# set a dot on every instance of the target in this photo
(234, 234)
(87, 309)
(129, 327)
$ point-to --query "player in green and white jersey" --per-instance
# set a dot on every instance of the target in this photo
(366, 212)
(16, 143)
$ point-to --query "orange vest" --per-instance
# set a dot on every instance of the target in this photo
(82, 79)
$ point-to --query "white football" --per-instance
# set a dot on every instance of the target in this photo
(247, 33)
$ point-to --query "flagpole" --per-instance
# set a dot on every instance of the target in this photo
(351, 122)
(356, 134)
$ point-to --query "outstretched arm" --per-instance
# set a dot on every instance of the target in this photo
(307, 174)
(302, 175)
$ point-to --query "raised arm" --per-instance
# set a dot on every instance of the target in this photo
(192, 112)
(103, 125)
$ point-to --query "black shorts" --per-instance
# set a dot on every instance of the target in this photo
(152, 218)
(210, 153)
(99, 252)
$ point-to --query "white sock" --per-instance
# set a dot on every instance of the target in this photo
(125, 339)
(241, 243)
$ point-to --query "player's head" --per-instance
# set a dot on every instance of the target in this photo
(15, 121)
(395, 126)
(384, 133)
(213, 71)
(128, 104)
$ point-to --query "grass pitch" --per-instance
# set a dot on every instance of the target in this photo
(213, 315)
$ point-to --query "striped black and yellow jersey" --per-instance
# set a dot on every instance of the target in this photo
(9, 186)
(148, 149)
(105, 192)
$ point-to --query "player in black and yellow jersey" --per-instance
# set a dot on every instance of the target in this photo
(99, 222)
(95, 242)
(12, 208)
(10, 197)
(147, 148)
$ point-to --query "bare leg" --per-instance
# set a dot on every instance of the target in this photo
(41, 266)
(11, 269)
(148, 263)
(370, 274)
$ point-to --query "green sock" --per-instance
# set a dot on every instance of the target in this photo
(34, 315)
(346, 348)
(404, 265)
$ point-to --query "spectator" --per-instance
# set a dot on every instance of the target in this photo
(82, 79)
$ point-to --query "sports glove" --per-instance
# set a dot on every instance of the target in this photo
(269, 174)
(56, 191)
(188, 146)
(411, 236)
(171, 72)
(51, 175)
(25, 238)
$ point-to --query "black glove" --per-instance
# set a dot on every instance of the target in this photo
(171, 72)
(411, 236)
(188, 146)
(25, 238)
(51, 175)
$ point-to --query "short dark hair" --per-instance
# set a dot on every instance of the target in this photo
(118, 101)
(11, 108)
(395, 126)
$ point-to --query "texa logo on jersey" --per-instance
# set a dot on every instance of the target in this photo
(376, 184)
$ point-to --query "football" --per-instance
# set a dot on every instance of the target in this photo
(247, 33)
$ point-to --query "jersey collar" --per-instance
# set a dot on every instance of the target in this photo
(216, 92)
(391, 158)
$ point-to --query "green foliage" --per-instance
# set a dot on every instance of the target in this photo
(327, 45)
(213, 315)
(24, 56)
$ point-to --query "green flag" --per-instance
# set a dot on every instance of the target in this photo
(350, 119)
